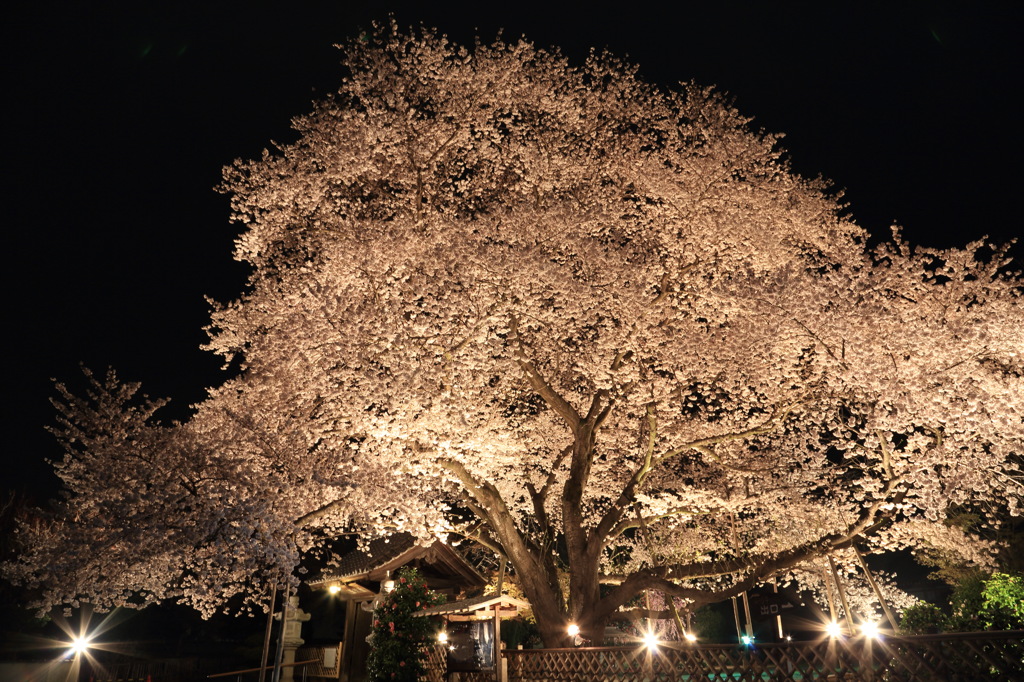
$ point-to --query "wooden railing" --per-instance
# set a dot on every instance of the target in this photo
(240, 674)
(321, 656)
(968, 657)
(119, 669)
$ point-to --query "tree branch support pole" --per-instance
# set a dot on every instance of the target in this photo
(830, 597)
(279, 655)
(842, 594)
(501, 575)
(675, 616)
(778, 616)
(746, 601)
(736, 616)
(668, 597)
(746, 612)
(266, 635)
(878, 593)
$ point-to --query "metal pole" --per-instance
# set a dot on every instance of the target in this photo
(266, 635)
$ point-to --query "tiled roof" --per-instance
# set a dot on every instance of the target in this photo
(359, 562)
(474, 604)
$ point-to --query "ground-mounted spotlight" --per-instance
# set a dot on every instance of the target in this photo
(833, 630)
(442, 637)
(573, 629)
(747, 640)
(690, 637)
(651, 640)
(869, 629)
(79, 645)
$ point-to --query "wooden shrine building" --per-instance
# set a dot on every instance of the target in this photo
(359, 577)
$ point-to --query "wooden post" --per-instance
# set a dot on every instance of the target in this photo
(498, 672)
(348, 645)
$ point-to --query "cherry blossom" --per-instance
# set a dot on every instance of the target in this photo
(593, 326)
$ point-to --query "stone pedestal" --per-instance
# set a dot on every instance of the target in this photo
(292, 637)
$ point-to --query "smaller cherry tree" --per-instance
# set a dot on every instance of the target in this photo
(398, 638)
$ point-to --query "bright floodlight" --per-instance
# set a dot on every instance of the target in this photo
(574, 629)
(747, 640)
(690, 637)
(870, 629)
(651, 640)
(833, 629)
(442, 637)
(79, 645)
(334, 589)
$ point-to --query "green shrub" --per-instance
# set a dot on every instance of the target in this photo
(992, 603)
(397, 638)
(923, 618)
(1003, 602)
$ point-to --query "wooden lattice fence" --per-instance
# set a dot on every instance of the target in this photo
(436, 663)
(970, 657)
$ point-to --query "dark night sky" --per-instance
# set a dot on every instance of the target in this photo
(120, 116)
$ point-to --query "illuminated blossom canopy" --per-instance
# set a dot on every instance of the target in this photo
(594, 326)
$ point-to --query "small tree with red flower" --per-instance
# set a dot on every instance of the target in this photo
(398, 638)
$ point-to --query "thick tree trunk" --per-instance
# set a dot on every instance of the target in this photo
(583, 555)
(545, 600)
(553, 620)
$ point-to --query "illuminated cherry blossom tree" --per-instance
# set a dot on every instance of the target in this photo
(595, 327)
